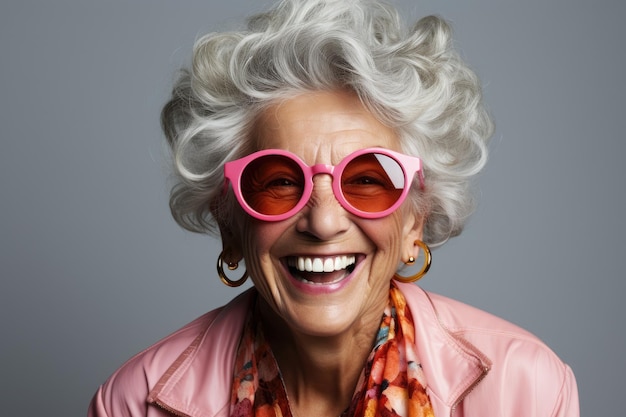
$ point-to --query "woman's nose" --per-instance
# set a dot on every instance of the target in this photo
(323, 216)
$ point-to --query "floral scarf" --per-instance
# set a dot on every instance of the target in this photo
(392, 383)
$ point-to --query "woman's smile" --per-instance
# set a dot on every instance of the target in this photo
(320, 270)
(321, 264)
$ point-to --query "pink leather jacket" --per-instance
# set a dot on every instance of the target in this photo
(475, 364)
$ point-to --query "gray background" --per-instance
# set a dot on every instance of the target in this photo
(93, 269)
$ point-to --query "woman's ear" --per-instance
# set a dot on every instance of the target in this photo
(413, 231)
(231, 246)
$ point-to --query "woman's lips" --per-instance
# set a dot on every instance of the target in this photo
(321, 270)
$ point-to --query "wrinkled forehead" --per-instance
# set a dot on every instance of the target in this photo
(321, 127)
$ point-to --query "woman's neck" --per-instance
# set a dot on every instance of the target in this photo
(320, 373)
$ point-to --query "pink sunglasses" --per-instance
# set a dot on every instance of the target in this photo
(274, 184)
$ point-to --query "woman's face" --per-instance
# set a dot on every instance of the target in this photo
(322, 128)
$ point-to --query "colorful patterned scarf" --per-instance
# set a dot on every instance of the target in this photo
(392, 383)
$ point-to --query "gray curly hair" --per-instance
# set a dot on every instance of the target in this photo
(411, 79)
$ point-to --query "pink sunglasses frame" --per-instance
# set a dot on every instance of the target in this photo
(410, 166)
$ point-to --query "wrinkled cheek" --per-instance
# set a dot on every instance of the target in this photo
(387, 259)
(261, 269)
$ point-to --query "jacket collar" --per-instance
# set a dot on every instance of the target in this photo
(198, 383)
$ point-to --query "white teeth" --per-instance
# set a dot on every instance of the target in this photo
(307, 264)
(329, 265)
(300, 266)
(318, 265)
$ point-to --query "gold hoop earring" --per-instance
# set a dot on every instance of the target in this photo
(231, 266)
(411, 261)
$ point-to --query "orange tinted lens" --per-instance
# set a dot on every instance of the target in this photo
(372, 182)
(272, 184)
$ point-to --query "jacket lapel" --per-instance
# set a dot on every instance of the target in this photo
(451, 364)
(198, 383)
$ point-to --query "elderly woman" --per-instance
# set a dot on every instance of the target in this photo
(329, 146)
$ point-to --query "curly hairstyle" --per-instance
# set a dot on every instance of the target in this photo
(411, 79)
